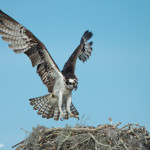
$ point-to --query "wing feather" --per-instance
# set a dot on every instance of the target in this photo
(23, 41)
(14, 41)
(83, 51)
(86, 51)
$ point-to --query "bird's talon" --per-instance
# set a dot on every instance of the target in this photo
(74, 116)
(71, 115)
(61, 119)
(62, 116)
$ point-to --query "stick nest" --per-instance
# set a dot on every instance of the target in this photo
(103, 137)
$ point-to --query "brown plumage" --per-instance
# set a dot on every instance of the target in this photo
(23, 41)
(83, 51)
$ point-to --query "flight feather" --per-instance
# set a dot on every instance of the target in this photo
(58, 103)
(23, 41)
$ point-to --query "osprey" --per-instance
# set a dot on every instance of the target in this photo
(60, 84)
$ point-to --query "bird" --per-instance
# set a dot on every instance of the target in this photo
(57, 104)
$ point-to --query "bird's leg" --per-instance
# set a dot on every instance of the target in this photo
(59, 94)
(69, 100)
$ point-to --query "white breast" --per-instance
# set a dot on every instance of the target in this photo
(59, 85)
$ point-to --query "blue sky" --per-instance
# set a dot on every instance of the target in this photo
(114, 82)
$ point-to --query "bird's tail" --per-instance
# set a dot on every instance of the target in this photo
(47, 106)
(72, 109)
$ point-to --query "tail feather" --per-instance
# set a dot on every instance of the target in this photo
(45, 111)
(42, 109)
(56, 113)
(51, 113)
(48, 109)
(73, 110)
(43, 106)
(64, 111)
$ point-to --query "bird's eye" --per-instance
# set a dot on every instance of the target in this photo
(70, 83)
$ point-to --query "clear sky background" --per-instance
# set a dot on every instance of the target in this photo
(114, 82)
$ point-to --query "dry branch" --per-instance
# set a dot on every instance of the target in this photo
(103, 137)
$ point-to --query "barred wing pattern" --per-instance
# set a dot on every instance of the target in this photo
(85, 53)
(48, 110)
(23, 41)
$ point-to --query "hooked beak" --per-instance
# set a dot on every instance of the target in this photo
(75, 87)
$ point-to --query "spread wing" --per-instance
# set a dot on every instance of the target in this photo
(83, 52)
(23, 41)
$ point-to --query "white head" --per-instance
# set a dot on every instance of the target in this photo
(72, 84)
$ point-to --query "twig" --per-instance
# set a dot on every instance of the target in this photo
(77, 129)
(25, 130)
(96, 140)
(129, 125)
(124, 144)
(117, 124)
(66, 138)
(110, 121)
(80, 142)
(85, 121)
(81, 120)
(134, 133)
(18, 144)
(88, 139)
(147, 137)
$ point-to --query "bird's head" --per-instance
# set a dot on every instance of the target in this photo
(72, 84)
